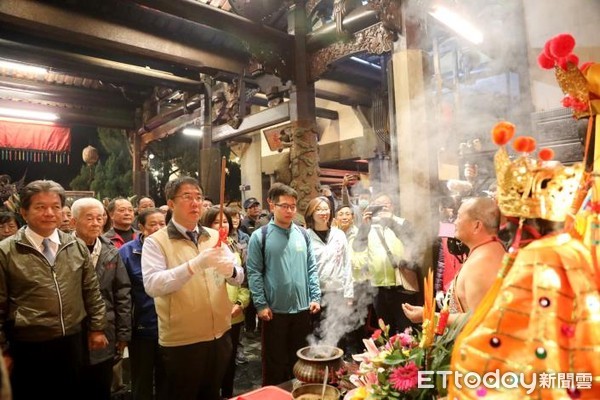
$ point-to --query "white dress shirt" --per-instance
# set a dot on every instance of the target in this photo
(36, 239)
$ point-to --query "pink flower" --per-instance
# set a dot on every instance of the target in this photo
(406, 338)
(404, 379)
(377, 334)
(367, 379)
(371, 351)
(393, 341)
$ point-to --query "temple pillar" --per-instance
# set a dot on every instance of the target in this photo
(412, 144)
(209, 170)
(304, 155)
(140, 174)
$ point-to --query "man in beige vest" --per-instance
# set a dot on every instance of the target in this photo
(185, 271)
(477, 227)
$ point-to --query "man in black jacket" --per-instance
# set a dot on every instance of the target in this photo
(115, 288)
(252, 221)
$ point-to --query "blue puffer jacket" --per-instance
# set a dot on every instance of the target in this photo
(145, 321)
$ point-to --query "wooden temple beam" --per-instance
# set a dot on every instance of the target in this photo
(92, 67)
(321, 112)
(40, 91)
(243, 28)
(339, 173)
(358, 19)
(343, 93)
(170, 127)
(250, 124)
(331, 180)
(253, 122)
(87, 31)
(103, 117)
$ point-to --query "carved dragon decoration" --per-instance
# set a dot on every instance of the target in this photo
(375, 39)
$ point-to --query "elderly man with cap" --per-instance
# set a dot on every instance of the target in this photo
(252, 220)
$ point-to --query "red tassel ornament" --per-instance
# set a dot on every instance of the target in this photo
(502, 132)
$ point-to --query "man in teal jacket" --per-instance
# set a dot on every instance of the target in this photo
(283, 279)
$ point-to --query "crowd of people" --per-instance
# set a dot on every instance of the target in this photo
(177, 285)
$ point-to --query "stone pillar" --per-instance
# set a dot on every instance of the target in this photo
(251, 168)
(413, 143)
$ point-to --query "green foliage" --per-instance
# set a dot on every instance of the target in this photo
(173, 155)
(387, 355)
(113, 176)
(179, 155)
(83, 179)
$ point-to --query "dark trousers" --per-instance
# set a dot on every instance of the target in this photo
(250, 317)
(227, 385)
(195, 371)
(49, 369)
(282, 337)
(146, 374)
(388, 306)
(97, 380)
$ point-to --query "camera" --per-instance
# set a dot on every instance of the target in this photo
(374, 209)
(244, 188)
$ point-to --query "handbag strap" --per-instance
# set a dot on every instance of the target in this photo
(385, 246)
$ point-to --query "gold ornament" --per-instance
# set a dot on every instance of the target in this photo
(530, 188)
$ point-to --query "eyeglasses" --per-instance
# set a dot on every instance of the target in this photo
(287, 207)
(325, 210)
(188, 197)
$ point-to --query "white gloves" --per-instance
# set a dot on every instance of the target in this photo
(221, 259)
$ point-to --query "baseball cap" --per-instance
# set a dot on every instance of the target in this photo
(250, 202)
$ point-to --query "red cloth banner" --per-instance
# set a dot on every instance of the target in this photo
(16, 135)
(30, 142)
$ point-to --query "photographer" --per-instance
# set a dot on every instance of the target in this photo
(386, 250)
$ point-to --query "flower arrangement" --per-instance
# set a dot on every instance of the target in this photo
(389, 368)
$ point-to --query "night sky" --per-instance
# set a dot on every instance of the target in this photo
(81, 136)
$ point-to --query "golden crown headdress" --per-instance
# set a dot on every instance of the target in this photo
(533, 187)
(581, 85)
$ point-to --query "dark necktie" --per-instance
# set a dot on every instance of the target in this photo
(193, 235)
(47, 251)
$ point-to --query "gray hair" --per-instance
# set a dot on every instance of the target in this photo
(86, 202)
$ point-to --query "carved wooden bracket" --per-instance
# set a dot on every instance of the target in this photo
(265, 61)
(310, 6)
(389, 12)
(375, 39)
